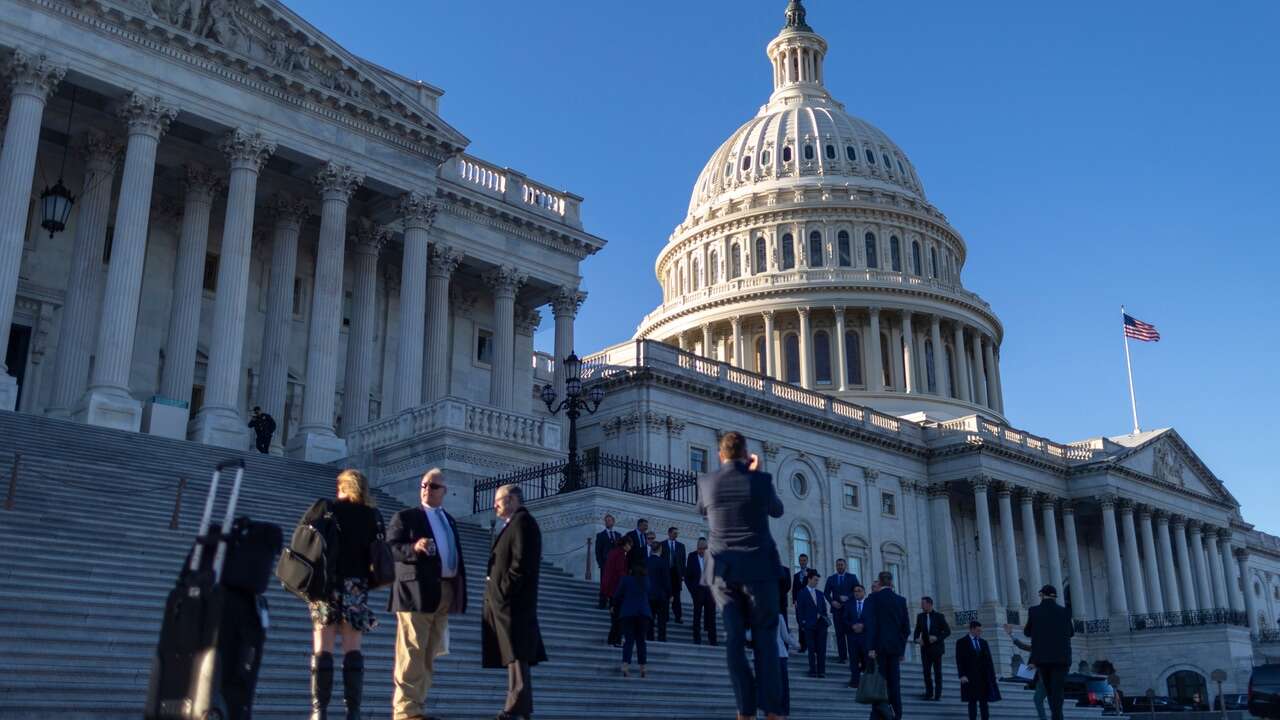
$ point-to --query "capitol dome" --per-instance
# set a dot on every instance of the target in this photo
(810, 254)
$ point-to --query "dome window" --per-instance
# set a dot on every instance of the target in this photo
(808, 152)
(915, 259)
(735, 262)
(853, 358)
(791, 358)
(746, 163)
(728, 169)
(895, 253)
(788, 252)
(843, 254)
(851, 152)
(888, 164)
(900, 168)
(713, 268)
(786, 154)
(762, 259)
(871, 157)
(815, 249)
(873, 261)
(831, 152)
(933, 263)
(765, 157)
(822, 357)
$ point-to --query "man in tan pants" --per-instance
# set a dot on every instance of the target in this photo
(431, 583)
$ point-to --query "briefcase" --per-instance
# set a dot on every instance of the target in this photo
(872, 688)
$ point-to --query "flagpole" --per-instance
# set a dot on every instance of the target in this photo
(1133, 402)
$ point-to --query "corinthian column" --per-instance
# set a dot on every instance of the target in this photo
(1213, 558)
(842, 350)
(1132, 561)
(943, 536)
(444, 260)
(988, 590)
(1008, 542)
(418, 214)
(979, 371)
(939, 355)
(770, 362)
(1119, 600)
(1074, 576)
(1051, 541)
(1186, 564)
(1030, 542)
(108, 402)
(80, 312)
(909, 354)
(1250, 605)
(1150, 565)
(188, 287)
(961, 376)
(1204, 595)
(989, 365)
(278, 329)
(875, 370)
(806, 350)
(735, 324)
(505, 282)
(564, 307)
(366, 243)
(1234, 596)
(32, 79)
(221, 419)
(315, 440)
(1172, 602)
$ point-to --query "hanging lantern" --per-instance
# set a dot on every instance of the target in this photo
(55, 207)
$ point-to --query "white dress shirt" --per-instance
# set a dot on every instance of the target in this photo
(443, 534)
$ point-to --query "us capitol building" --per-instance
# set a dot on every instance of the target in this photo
(210, 206)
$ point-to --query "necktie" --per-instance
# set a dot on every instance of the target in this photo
(927, 625)
(859, 608)
(975, 645)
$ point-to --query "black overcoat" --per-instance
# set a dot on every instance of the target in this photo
(979, 668)
(509, 625)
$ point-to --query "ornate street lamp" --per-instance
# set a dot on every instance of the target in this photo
(572, 405)
(56, 201)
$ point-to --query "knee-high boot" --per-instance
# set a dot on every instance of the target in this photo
(321, 685)
(353, 682)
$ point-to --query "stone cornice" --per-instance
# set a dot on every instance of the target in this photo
(499, 219)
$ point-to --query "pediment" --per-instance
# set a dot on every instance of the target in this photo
(1167, 458)
(266, 39)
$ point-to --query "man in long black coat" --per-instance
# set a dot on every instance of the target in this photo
(887, 628)
(1049, 627)
(977, 671)
(509, 634)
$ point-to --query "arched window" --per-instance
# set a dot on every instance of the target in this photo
(713, 268)
(735, 261)
(951, 376)
(852, 357)
(815, 249)
(786, 154)
(801, 543)
(695, 277)
(746, 163)
(684, 285)
(930, 367)
(851, 152)
(915, 258)
(1185, 685)
(895, 253)
(871, 157)
(844, 252)
(888, 164)
(788, 252)
(933, 263)
(728, 169)
(765, 157)
(831, 152)
(822, 356)
(762, 360)
(900, 168)
(791, 356)
(872, 260)
(885, 366)
(808, 152)
(762, 258)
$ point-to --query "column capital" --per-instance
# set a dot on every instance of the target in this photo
(367, 238)
(1194, 525)
(1177, 521)
(1003, 489)
(527, 319)
(768, 315)
(1068, 506)
(1144, 511)
(1026, 496)
(505, 280)
(337, 182)
(443, 261)
(735, 322)
(1126, 505)
(33, 74)
(246, 149)
(100, 150)
(803, 311)
(874, 311)
(935, 322)
(870, 474)
(1224, 535)
(288, 211)
(567, 301)
(938, 490)
(1107, 501)
(1161, 516)
(833, 465)
(1242, 554)
(146, 114)
(417, 211)
(1046, 501)
(981, 482)
(202, 181)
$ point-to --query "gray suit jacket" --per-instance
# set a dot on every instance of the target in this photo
(738, 504)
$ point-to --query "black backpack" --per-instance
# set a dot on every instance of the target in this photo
(308, 567)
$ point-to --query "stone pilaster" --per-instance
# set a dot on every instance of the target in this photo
(366, 243)
(32, 79)
(288, 217)
(315, 439)
(444, 260)
(80, 311)
(108, 401)
(505, 281)
(418, 214)
(221, 418)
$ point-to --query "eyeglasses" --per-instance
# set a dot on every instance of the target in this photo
(434, 486)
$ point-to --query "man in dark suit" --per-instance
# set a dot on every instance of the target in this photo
(431, 583)
(839, 589)
(605, 540)
(704, 609)
(798, 582)
(978, 686)
(676, 556)
(855, 619)
(639, 550)
(887, 628)
(738, 502)
(509, 634)
(1049, 627)
(659, 588)
(813, 619)
(931, 632)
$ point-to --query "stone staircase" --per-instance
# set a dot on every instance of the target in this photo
(87, 557)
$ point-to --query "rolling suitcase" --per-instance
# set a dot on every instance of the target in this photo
(210, 649)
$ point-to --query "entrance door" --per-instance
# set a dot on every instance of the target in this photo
(16, 357)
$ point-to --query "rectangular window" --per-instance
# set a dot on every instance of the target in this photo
(697, 459)
(851, 499)
(895, 569)
(484, 347)
(855, 566)
(888, 504)
(210, 272)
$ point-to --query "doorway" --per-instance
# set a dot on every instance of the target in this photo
(16, 357)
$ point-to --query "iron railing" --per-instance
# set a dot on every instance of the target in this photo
(964, 616)
(1269, 636)
(595, 470)
(1187, 618)
(1013, 617)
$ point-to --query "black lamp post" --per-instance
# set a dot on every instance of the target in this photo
(572, 405)
(56, 201)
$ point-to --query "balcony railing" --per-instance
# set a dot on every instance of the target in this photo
(461, 416)
(513, 188)
(964, 616)
(1187, 618)
(595, 470)
(1096, 626)
(1269, 636)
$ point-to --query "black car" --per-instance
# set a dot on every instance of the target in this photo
(1235, 701)
(1088, 690)
(1158, 704)
(1264, 691)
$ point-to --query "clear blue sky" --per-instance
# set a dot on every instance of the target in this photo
(1090, 153)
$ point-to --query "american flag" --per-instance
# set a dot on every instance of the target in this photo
(1138, 330)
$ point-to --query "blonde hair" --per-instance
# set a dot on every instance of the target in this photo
(355, 486)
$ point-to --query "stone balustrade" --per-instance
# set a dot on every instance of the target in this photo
(461, 416)
(513, 188)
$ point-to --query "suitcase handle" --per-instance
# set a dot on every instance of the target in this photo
(235, 462)
(205, 518)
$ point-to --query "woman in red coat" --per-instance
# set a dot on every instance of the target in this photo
(615, 568)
